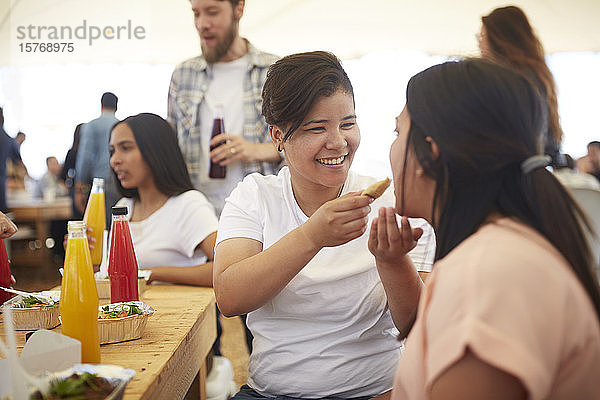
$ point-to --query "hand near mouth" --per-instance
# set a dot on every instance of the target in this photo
(388, 242)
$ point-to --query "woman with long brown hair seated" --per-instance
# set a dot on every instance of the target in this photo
(511, 309)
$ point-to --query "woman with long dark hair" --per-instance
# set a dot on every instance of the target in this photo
(173, 226)
(507, 37)
(511, 309)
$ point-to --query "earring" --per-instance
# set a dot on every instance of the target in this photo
(279, 147)
(419, 172)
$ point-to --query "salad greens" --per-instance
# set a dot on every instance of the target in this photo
(119, 311)
(32, 301)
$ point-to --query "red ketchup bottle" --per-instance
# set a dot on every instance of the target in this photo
(122, 262)
(4, 273)
(217, 171)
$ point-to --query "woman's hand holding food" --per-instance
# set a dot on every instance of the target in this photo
(388, 242)
(338, 221)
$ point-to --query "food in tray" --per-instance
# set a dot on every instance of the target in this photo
(118, 322)
(31, 312)
(77, 386)
(120, 310)
(33, 301)
(375, 190)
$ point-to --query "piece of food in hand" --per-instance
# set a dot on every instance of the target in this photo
(377, 189)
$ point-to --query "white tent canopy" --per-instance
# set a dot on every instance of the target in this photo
(381, 42)
(349, 28)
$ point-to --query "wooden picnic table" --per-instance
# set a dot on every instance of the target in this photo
(172, 351)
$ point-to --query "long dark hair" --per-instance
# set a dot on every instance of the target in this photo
(512, 41)
(76, 137)
(295, 82)
(158, 144)
(486, 120)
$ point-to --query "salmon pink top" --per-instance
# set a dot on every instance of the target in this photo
(509, 296)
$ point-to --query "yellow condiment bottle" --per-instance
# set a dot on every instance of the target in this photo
(95, 218)
(78, 295)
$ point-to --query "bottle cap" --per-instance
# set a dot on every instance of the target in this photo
(117, 210)
(98, 182)
(75, 225)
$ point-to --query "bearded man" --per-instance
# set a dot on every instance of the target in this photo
(229, 73)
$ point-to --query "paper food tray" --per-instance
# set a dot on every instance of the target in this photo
(116, 330)
(34, 318)
(118, 376)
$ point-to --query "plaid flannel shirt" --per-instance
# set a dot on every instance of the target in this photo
(189, 84)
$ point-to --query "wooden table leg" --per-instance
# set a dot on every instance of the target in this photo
(197, 390)
(202, 381)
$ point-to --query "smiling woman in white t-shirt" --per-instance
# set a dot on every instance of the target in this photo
(173, 226)
(292, 249)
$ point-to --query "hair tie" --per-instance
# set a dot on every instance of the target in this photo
(534, 162)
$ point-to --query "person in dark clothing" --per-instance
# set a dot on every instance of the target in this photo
(8, 151)
(68, 171)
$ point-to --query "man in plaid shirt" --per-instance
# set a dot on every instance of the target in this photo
(229, 73)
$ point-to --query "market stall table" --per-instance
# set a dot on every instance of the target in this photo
(173, 348)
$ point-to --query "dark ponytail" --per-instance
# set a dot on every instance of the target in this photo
(486, 120)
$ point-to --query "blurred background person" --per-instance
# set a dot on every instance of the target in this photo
(67, 174)
(20, 138)
(93, 158)
(9, 151)
(571, 177)
(230, 72)
(50, 186)
(507, 37)
(16, 171)
(590, 163)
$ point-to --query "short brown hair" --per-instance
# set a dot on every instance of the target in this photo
(295, 82)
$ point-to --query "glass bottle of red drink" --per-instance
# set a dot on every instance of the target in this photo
(122, 262)
(4, 273)
(217, 171)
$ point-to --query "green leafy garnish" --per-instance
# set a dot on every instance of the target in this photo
(120, 311)
(32, 301)
(75, 386)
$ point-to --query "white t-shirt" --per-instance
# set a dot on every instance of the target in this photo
(170, 236)
(231, 97)
(329, 332)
